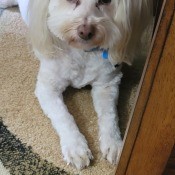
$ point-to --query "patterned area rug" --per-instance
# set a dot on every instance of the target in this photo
(28, 143)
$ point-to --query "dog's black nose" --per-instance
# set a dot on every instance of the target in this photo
(85, 31)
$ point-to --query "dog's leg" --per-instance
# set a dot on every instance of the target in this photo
(105, 99)
(7, 3)
(73, 144)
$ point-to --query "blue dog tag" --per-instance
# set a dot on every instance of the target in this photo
(105, 54)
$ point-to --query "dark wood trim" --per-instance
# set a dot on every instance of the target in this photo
(170, 167)
(156, 136)
(146, 86)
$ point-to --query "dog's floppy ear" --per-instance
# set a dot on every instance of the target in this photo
(40, 36)
(132, 17)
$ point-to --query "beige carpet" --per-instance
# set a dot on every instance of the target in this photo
(23, 117)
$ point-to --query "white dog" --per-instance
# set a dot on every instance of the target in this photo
(81, 42)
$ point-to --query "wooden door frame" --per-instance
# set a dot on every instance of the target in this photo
(135, 151)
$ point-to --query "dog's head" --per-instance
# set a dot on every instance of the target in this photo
(84, 24)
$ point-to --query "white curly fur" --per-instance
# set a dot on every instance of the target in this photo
(63, 61)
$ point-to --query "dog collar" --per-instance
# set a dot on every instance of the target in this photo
(104, 54)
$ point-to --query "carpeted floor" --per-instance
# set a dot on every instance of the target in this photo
(28, 143)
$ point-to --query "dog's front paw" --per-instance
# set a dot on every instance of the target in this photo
(111, 149)
(76, 152)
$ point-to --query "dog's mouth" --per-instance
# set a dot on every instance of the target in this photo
(80, 44)
(84, 36)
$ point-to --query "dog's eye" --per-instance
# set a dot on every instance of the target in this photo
(103, 2)
(76, 2)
